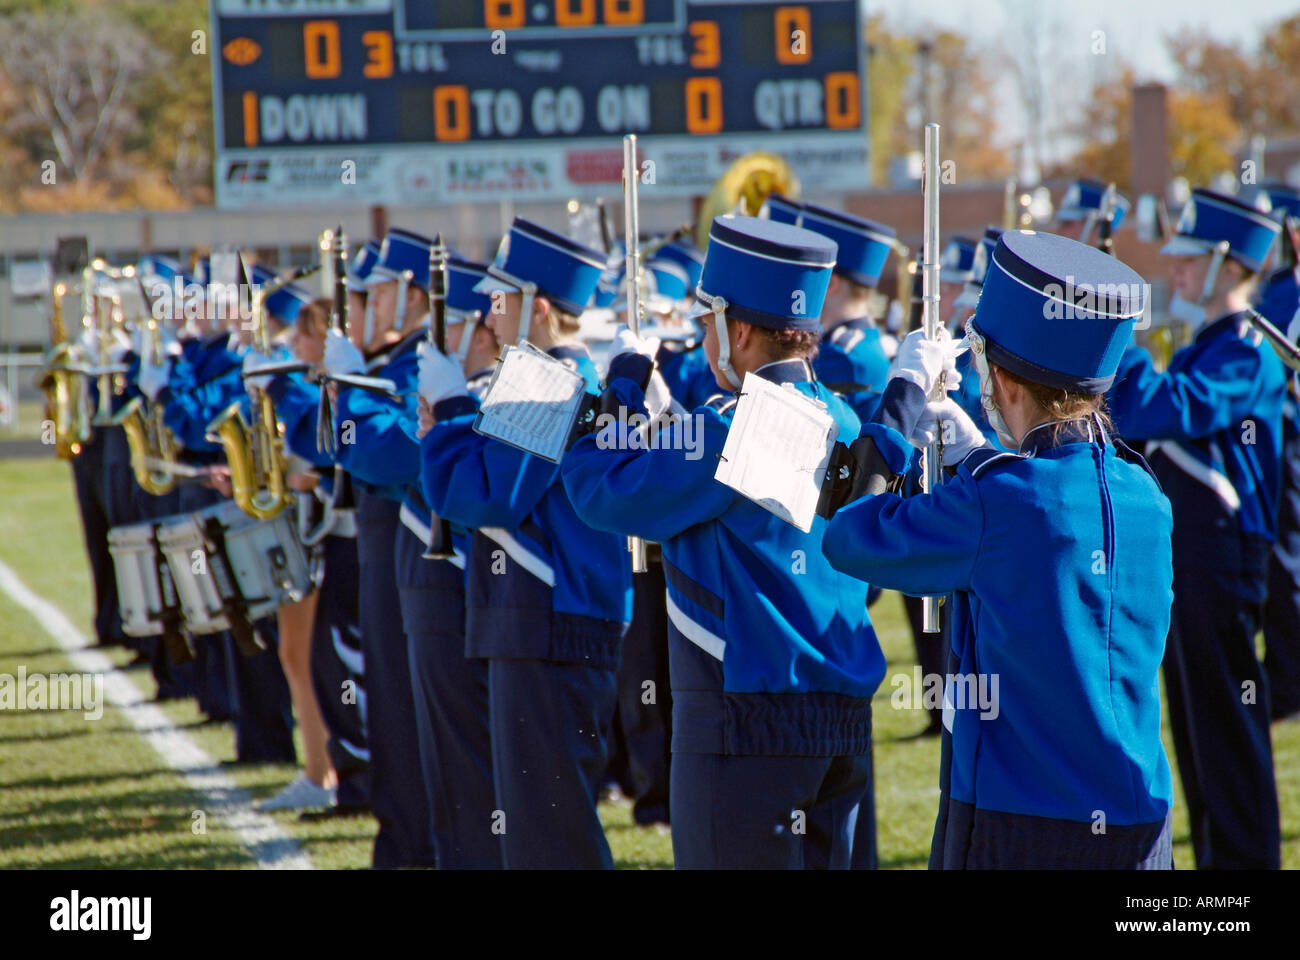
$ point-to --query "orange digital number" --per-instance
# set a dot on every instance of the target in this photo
(793, 35)
(503, 14)
(566, 16)
(249, 100)
(622, 13)
(843, 103)
(703, 105)
(379, 54)
(320, 48)
(708, 51)
(451, 112)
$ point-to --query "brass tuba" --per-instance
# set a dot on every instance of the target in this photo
(255, 451)
(67, 392)
(746, 183)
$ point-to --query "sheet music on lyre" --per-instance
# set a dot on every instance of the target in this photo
(532, 402)
(778, 449)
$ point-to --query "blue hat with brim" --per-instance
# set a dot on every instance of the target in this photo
(403, 251)
(1210, 218)
(979, 267)
(1056, 311)
(687, 256)
(285, 303)
(864, 245)
(362, 265)
(1086, 196)
(462, 299)
(564, 271)
(782, 209)
(771, 274)
(957, 262)
(1283, 197)
(670, 278)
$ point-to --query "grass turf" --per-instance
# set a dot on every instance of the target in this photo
(81, 793)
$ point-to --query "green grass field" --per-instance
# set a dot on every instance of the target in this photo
(93, 793)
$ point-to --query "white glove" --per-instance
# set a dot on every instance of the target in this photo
(625, 341)
(341, 356)
(253, 360)
(153, 377)
(441, 377)
(121, 345)
(945, 419)
(923, 361)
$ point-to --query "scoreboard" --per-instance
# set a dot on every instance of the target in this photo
(356, 102)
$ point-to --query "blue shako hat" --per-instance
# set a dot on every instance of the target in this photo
(686, 255)
(1084, 197)
(1057, 311)
(363, 262)
(770, 274)
(979, 268)
(285, 303)
(462, 299)
(1211, 218)
(1283, 197)
(537, 261)
(764, 272)
(957, 262)
(863, 244)
(401, 252)
(782, 209)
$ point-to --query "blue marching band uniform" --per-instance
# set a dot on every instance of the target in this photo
(498, 682)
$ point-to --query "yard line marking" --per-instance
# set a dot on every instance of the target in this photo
(228, 803)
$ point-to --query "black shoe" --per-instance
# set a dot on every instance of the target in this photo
(335, 812)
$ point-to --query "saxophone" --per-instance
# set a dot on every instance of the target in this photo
(67, 393)
(255, 451)
(154, 449)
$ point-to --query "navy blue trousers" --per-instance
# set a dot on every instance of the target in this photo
(338, 670)
(451, 709)
(1282, 609)
(549, 727)
(264, 707)
(761, 812)
(1225, 756)
(398, 795)
(968, 838)
(643, 731)
(87, 477)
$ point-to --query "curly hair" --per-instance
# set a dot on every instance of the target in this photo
(784, 344)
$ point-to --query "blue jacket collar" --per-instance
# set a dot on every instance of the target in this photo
(1057, 433)
(1216, 327)
(793, 370)
(857, 323)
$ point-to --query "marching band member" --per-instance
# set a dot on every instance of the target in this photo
(772, 657)
(194, 389)
(549, 598)
(336, 660)
(1076, 218)
(1057, 558)
(682, 363)
(1278, 301)
(375, 447)
(1216, 417)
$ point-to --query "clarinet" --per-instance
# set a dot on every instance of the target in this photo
(338, 253)
(440, 540)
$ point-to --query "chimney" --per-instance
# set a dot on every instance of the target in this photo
(1149, 143)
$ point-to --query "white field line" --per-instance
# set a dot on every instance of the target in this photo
(224, 801)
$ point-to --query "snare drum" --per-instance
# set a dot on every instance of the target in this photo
(139, 596)
(226, 563)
